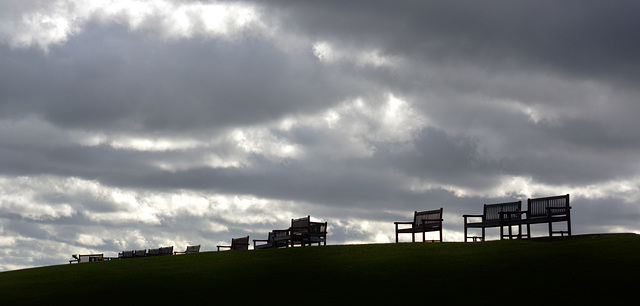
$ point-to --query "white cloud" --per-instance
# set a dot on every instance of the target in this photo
(90, 240)
(330, 53)
(46, 23)
(260, 140)
(7, 241)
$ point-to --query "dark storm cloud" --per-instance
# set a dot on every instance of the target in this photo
(112, 78)
(579, 38)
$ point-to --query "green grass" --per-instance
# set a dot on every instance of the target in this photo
(504, 272)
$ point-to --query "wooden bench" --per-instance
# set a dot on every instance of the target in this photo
(78, 258)
(140, 253)
(190, 249)
(302, 231)
(544, 210)
(495, 215)
(241, 243)
(316, 233)
(423, 222)
(125, 254)
(268, 243)
(165, 251)
(549, 210)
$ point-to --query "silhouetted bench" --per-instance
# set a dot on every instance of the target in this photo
(314, 232)
(86, 258)
(140, 253)
(549, 210)
(495, 215)
(125, 254)
(302, 231)
(543, 210)
(190, 249)
(163, 251)
(241, 243)
(423, 222)
(268, 243)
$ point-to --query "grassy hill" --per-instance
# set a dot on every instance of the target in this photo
(581, 269)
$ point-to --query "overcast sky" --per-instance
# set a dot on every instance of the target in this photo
(140, 124)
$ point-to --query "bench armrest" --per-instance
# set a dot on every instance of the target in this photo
(403, 222)
(472, 216)
(259, 240)
(223, 246)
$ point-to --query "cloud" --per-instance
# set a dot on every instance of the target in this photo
(46, 23)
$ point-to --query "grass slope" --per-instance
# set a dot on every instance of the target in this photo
(581, 269)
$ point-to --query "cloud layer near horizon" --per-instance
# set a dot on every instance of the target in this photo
(139, 124)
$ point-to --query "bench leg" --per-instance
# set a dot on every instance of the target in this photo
(396, 233)
(465, 230)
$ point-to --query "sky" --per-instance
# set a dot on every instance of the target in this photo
(138, 124)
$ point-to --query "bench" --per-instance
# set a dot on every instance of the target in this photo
(241, 243)
(544, 210)
(164, 251)
(496, 215)
(78, 258)
(268, 243)
(190, 249)
(302, 231)
(139, 253)
(125, 254)
(549, 210)
(423, 222)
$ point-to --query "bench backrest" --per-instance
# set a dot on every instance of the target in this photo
(166, 251)
(318, 228)
(241, 243)
(192, 249)
(557, 205)
(300, 225)
(429, 217)
(139, 253)
(301, 222)
(127, 254)
(304, 225)
(492, 211)
(153, 252)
